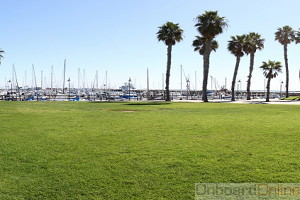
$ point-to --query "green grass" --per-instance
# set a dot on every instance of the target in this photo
(81, 150)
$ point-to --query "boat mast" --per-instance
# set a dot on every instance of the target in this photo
(42, 79)
(148, 90)
(25, 80)
(32, 77)
(13, 77)
(106, 80)
(51, 77)
(195, 80)
(78, 78)
(15, 74)
(64, 77)
(96, 79)
(211, 83)
(36, 89)
(83, 78)
(181, 79)
(6, 85)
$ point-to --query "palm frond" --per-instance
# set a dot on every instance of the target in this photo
(169, 33)
(236, 45)
(297, 36)
(271, 68)
(285, 35)
(1, 56)
(210, 24)
(253, 42)
(199, 44)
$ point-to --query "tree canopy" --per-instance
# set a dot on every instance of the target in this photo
(271, 68)
(210, 24)
(169, 33)
(1, 56)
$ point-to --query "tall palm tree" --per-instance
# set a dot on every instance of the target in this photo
(253, 42)
(236, 46)
(1, 56)
(209, 25)
(270, 70)
(169, 33)
(285, 36)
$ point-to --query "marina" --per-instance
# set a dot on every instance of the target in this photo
(127, 92)
(123, 94)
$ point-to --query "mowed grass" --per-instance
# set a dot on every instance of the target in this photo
(84, 150)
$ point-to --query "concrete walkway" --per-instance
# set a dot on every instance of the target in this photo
(253, 101)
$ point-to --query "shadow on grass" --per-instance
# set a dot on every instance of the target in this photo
(106, 102)
(233, 102)
(147, 103)
(134, 103)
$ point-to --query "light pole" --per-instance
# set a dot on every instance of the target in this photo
(129, 81)
(69, 80)
(105, 92)
(10, 89)
(239, 86)
(280, 88)
(241, 94)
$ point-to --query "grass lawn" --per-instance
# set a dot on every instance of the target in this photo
(83, 150)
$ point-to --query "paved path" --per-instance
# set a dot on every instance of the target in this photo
(253, 101)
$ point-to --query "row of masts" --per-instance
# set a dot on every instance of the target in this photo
(95, 84)
(13, 82)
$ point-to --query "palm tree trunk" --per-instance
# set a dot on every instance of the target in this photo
(238, 58)
(205, 70)
(268, 90)
(287, 70)
(250, 75)
(168, 73)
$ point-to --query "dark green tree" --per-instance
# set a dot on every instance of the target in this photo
(209, 25)
(253, 43)
(169, 33)
(285, 36)
(236, 46)
(270, 70)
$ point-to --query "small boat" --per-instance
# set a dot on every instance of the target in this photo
(127, 95)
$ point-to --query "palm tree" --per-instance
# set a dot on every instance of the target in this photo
(169, 33)
(253, 42)
(270, 70)
(285, 36)
(209, 25)
(1, 56)
(236, 46)
(199, 42)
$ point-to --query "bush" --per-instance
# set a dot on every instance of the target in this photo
(297, 98)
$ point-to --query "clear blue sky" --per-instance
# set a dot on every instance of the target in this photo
(120, 36)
